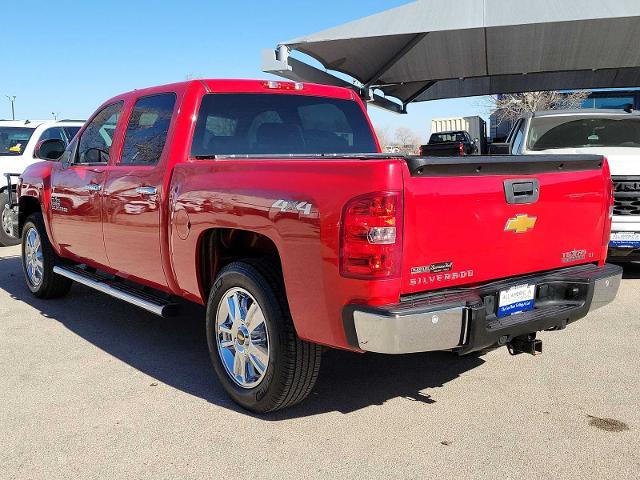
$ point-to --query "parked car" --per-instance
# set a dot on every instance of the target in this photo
(449, 144)
(614, 134)
(271, 204)
(18, 149)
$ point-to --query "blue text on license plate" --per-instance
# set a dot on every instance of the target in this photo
(622, 244)
(520, 298)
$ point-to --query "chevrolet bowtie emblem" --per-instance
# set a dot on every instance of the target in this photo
(520, 224)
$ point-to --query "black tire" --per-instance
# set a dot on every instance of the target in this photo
(6, 240)
(51, 284)
(293, 364)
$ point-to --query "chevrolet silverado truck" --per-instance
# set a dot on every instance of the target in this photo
(614, 134)
(20, 142)
(449, 144)
(270, 203)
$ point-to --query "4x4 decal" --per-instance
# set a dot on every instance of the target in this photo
(286, 206)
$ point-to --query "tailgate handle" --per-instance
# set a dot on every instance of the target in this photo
(519, 192)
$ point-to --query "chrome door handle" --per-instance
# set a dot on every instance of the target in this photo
(94, 187)
(147, 190)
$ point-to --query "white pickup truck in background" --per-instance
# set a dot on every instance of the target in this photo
(19, 140)
(612, 133)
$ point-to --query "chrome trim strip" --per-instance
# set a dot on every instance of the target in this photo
(465, 327)
(111, 291)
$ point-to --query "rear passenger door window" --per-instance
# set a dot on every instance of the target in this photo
(147, 130)
(95, 143)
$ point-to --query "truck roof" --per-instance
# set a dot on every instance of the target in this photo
(37, 123)
(248, 86)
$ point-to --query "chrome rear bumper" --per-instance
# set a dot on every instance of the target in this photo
(415, 332)
(466, 321)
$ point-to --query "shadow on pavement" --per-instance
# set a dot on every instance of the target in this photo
(175, 353)
(631, 271)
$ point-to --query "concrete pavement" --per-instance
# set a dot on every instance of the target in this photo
(93, 388)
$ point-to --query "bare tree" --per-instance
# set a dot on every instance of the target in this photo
(512, 106)
(384, 137)
(405, 137)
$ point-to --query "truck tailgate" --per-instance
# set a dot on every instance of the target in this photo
(478, 219)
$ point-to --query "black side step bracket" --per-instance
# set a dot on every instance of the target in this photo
(135, 296)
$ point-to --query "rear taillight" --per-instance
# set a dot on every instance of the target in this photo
(461, 147)
(372, 236)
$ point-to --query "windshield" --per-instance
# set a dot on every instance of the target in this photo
(447, 137)
(13, 140)
(549, 133)
(268, 124)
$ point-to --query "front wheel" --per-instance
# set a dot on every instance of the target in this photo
(7, 223)
(38, 260)
(256, 354)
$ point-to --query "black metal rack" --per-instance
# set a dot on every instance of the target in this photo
(11, 190)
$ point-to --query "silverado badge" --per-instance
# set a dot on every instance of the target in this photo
(520, 224)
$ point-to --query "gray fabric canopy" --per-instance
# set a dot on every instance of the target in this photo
(434, 49)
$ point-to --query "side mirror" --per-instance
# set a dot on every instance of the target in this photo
(50, 149)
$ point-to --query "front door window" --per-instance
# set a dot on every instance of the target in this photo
(96, 140)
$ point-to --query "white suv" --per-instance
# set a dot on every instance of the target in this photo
(612, 133)
(18, 141)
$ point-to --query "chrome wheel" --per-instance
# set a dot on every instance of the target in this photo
(242, 338)
(7, 221)
(33, 259)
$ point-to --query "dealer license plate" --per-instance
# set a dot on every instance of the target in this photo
(517, 299)
(625, 240)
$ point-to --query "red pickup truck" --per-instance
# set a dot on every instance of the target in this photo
(270, 203)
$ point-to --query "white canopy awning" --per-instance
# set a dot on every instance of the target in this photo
(434, 49)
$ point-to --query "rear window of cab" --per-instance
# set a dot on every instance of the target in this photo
(268, 124)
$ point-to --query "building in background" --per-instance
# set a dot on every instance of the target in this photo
(618, 99)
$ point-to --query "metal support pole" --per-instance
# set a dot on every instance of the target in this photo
(12, 99)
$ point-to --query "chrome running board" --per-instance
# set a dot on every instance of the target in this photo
(117, 289)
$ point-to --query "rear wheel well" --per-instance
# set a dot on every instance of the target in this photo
(221, 246)
(27, 207)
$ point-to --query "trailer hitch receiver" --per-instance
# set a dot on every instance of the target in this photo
(525, 344)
